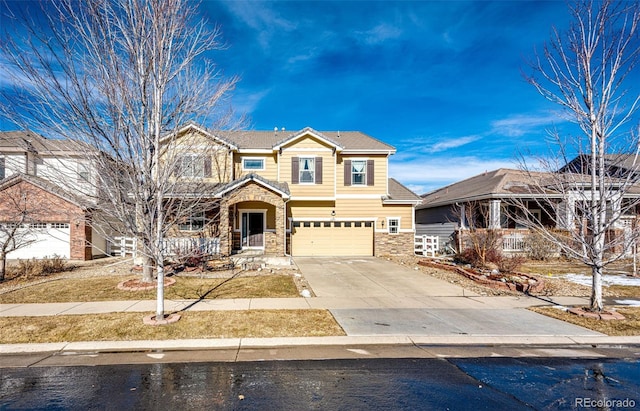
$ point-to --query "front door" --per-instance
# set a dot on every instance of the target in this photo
(253, 230)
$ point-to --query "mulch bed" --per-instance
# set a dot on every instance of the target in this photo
(602, 315)
(524, 283)
(137, 284)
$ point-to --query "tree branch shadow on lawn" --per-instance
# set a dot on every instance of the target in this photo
(205, 295)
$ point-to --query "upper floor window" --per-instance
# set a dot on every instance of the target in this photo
(2, 174)
(253, 163)
(307, 170)
(358, 172)
(83, 173)
(191, 165)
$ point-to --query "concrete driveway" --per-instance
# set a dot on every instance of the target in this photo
(370, 277)
(371, 296)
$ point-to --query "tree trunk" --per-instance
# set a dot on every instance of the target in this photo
(147, 270)
(596, 289)
(3, 266)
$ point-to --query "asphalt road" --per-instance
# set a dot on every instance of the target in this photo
(449, 382)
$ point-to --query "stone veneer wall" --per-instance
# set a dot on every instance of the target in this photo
(273, 241)
(393, 244)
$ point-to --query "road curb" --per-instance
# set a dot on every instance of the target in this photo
(249, 343)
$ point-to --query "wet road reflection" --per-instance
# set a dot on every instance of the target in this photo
(363, 384)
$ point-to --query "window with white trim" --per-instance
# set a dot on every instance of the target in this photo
(358, 172)
(393, 225)
(191, 165)
(307, 170)
(195, 222)
(253, 163)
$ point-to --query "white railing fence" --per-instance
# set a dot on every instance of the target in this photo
(425, 245)
(182, 246)
(513, 242)
(123, 246)
(173, 246)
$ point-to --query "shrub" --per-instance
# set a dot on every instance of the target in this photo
(538, 247)
(510, 264)
(38, 268)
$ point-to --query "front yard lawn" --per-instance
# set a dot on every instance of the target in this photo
(629, 326)
(104, 289)
(192, 325)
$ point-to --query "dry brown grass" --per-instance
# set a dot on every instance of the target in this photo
(207, 324)
(104, 289)
(629, 326)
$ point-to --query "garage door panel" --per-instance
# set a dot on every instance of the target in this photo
(332, 239)
(46, 242)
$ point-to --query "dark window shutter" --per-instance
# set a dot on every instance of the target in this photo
(295, 170)
(207, 166)
(347, 172)
(318, 170)
(2, 173)
(370, 171)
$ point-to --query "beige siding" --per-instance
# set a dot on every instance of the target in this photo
(380, 176)
(270, 171)
(345, 209)
(326, 189)
(198, 144)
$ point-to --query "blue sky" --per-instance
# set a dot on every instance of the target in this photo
(439, 80)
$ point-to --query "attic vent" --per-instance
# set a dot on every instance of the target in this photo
(338, 134)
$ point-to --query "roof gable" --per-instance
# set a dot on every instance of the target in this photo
(304, 133)
(44, 185)
(193, 128)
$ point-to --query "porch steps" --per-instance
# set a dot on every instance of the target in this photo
(251, 261)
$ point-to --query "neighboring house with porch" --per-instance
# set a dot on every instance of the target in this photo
(300, 193)
(54, 181)
(494, 195)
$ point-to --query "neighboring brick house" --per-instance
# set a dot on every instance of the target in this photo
(301, 193)
(54, 180)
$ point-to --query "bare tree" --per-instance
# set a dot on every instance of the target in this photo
(13, 236)
(588, 70)
(480, 242)
(120, 78)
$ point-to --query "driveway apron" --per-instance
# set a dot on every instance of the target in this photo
(374, 296)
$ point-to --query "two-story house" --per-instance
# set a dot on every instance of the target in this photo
(301, 193)
(49, 182)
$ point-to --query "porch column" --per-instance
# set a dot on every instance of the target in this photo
(280, 228)
(463, 216)
(494, 214)
(565, 211)
(225, 229)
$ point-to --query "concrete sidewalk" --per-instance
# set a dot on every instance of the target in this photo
(376, 302)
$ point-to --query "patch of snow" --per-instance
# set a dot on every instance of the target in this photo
(607, 280)
(305, 293)
(634, 303)
(559, 307)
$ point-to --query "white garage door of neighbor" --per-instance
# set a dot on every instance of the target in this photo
(332, 238)
(48, 240)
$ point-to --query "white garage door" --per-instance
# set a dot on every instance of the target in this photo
(45, 241)
(332, 238)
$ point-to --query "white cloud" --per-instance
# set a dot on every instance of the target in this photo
(423, 174)
(246, 102)
(261, 18)
(521, 124)
(379, 34)
(451, 143)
